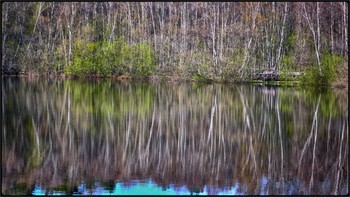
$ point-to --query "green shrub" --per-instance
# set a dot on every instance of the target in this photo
(313, 75)
(287, 64)
(144, 60)
(111, 58)
(200, 78)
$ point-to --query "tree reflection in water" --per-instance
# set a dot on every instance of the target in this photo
(58, 134)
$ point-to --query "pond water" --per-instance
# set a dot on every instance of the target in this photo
(86, 137)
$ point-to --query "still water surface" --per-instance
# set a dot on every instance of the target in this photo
(109, 137)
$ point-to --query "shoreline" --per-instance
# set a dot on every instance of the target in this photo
(338, 85)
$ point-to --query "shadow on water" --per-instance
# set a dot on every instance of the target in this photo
(112, 137)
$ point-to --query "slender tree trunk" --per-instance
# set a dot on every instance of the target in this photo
(36, 22)
(86, 13)
(213, 35)
(332, 38)
(183, 35)
(111, 37)
(143, 22)
(64, 49)
(131, 28)
(282, 36)
(153, 25)
(4, 33)
(315, 39)
(70, 29)
(345, 30)
(318, 26)
(223, 33)
(246, 56)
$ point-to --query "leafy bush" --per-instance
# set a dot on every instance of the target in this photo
(111, 58)
(328, 69)
(200, 78)
(144, 60)
(287, 66)
(84, 60)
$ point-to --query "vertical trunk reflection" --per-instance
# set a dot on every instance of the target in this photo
(265, 140)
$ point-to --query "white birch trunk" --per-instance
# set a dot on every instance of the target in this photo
(314, 37)
(154, 26)
(246, 56)
(345, 28)
(36, 22)
(282, 36)
(318, 27)
(332, 39)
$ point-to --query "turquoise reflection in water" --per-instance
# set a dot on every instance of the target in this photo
(55, 193)
(38, 191)
(136, 187)
(232, 191)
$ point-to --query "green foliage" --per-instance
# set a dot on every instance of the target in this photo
(136, 98)
(287, 65)
(233, 64)
(31, 16)
(290, 41)
(111, 58)
(283, 76)
(144, 60)
(84, 60)
(313, 75)
(287, 62)
(329, 63)
(200, 78)
(199, 65)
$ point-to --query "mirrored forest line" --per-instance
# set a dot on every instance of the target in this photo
(275, 140)
(215, 40)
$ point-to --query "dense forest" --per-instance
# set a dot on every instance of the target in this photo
(212, 40)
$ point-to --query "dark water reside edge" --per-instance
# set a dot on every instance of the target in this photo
(95, 136)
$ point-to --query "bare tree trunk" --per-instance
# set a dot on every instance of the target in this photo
(161, 30)
(345, 29)
(315, 39)
(110, 4)
(183, 47)
(4, 31)
(247, 48)
(282, 36)
(130, 23)
(213, 34)
(143, 22)
(70, 29)
(318, 26)
(332, 38)
(64, 48)
(153, 25)
(111, 37)
(36, 22)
